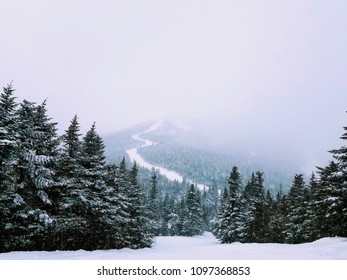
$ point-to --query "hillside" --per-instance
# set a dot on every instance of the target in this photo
(178, 147)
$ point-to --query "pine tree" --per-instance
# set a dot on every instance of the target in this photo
(219, 224)
(72, 210)
(10, 200)
(36, 169)
(232, 218)
(311, 229)
(90, 187)
(340, 186)
(210, 205)
(8, 135)
(153, 204)
(329, 208)
(256, 208)
(121, 189)
(193, 224)
(279, 212)
(297, 219)
(138, 226)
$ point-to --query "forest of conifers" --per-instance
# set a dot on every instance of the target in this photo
(58, 192)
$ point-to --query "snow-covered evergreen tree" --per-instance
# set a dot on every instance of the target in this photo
(138, 225)
(193, 224)
(94, 188)
(232, 222)
(328, 204)
(219, 224)
(153, 204)
(36, 169)
(256, 216)
(10, 200)
(72, 215)
(340, 186)
(120, 188)
(279, 213)
(298, 217)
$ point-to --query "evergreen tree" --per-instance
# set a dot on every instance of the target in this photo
(312, 225)
(328, 203)
(94, 189)
(72, 210)
(164, 210)
(210, 205)
(193, 224)
(297, 219)
(36, 169)
(340, 187)
(138, 225)
(117, 214)
(10, 200)
(279, 212)
(153, 204)
(232, 217)
(219, 224)
(256, 209)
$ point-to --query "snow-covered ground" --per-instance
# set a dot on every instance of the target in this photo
(135, 156)
(200, 248)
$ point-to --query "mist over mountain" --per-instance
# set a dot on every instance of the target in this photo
(200, 153)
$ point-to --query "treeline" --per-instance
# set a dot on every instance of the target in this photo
(186, 214)
(57, 192)
(208, 167)
(308, 212)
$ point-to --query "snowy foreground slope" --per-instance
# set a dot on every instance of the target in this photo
(202, 247)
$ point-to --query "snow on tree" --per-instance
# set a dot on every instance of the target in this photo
(340, 185)
(36, 169)
(138, 225)
(10, 200)
(297, 219)
(71, 209)
(232, 223)
(193, 224)
(255, 212)
(153, 204)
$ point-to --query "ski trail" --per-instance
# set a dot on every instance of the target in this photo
(135, 156)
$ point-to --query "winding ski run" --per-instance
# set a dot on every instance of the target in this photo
(135, 156)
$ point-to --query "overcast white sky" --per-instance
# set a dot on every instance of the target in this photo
(277, 69)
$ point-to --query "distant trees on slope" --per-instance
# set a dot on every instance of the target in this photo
(308, 212)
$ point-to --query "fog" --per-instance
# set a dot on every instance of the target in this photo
(268, 77)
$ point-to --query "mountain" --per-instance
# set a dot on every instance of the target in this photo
(187, 149)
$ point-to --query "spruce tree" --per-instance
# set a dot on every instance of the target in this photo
(10, 200)
(219, 224)
(329, 206)
(193, 224)
(153, 204)
(72, 210)
(340, 186)
(279, 212)
(257, 219)
(36, 169)
(232, 218)
(138, 226)
(297, 219)
(94, 188)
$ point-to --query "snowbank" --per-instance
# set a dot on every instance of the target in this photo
(204, 247)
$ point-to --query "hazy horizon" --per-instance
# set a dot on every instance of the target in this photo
(270, 76)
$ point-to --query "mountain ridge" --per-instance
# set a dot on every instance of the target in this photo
(180, 148)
